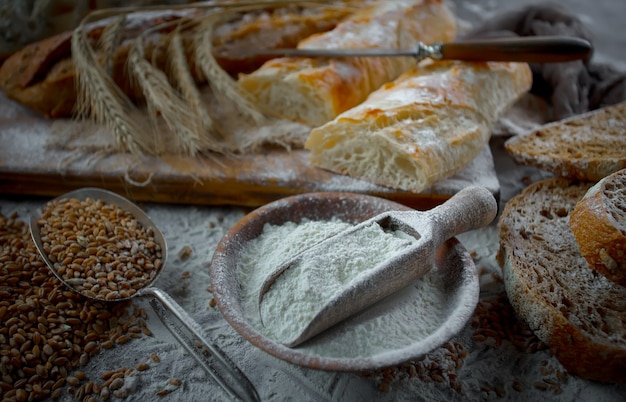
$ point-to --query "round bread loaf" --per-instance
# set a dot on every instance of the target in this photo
(599, 225)
(578, 313)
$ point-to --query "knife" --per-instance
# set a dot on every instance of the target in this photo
(530, 49)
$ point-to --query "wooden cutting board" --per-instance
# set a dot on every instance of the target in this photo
(29, 166)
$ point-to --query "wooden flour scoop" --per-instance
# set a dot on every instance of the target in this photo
(469, 209)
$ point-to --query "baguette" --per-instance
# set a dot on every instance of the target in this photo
(42, 76)
(314, 91)
(578, 313)
(425, 126)
(599, 226)
(584, 147)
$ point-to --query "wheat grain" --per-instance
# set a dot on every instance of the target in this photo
(127, 249)
(43, 340)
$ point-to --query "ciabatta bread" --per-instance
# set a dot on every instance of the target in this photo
(585, 147)
(599, 226)
(578, 313)
(314, 91)
(425, 126)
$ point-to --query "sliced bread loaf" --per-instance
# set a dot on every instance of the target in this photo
(423, 127)
(585, 147)
(578, 313)
(599, 225)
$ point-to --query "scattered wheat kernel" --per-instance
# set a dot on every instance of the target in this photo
(116, 384)
(142, 366)
(73, 381)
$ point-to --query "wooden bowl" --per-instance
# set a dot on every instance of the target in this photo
(369, 339)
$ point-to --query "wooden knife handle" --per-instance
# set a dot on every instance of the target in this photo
(530, 49)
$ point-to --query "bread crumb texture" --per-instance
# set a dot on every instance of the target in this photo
(576, 311)
(585, 147)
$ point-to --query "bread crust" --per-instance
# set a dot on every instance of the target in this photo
(314, 91)
(584, 147)
(579, 314)
(598, 223)
(423, 127)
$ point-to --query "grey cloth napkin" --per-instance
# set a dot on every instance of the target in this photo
(570, 88)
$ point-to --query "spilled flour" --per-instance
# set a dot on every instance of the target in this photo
(297, 295)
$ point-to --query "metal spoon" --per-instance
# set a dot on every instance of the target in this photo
(216, 363)
(470, 208)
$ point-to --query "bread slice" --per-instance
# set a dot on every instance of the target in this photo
(599, 226)
(314, 91)
(578, 313)
(585, 147)
(423, 127)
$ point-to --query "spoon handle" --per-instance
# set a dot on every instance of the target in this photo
(219, 366)
(471, 208)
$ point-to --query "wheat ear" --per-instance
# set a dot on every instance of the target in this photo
(99, 97)
(222, 84)
(110, 41)
(180, 74)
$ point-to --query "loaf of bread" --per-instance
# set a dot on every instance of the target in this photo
(577, 312)
(314, 91)
(599, 226)
(423, 127)
(585, 147)
(42, 75)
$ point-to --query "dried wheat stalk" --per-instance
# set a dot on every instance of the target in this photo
(100, 99)
(180, 74)
(163, 101)
(222, 84)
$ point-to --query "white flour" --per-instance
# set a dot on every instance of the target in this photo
(488, 372)
(301, 290)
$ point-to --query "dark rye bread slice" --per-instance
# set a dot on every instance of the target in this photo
(576, 311)
(585, 147)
